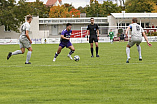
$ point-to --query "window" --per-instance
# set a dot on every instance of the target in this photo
(6, 28)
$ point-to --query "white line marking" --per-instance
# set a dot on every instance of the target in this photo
(84, 65)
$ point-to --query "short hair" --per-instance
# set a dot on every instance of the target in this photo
(28, 17)
(134, 20)
(68, 24)
(91, 18)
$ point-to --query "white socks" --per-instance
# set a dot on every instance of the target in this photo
(139, 50)
(17, 52)
(28, 56)
(111, 41)
(128, 52)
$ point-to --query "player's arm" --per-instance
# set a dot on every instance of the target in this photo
(126, 33)
(144, 35)
(98, 32)
(97, 29)
(62, 36)
(28, 36)
(87, 34)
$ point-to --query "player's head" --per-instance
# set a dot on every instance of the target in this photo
(29, 18)
(68, 26)
(134, 20)
(111, 30)
(92, 20)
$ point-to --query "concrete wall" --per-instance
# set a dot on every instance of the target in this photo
(8, 34)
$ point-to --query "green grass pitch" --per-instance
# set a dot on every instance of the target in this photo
(104, 80)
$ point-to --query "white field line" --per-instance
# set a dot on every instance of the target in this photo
(79, 65)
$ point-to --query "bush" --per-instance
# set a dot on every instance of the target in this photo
(152, 34)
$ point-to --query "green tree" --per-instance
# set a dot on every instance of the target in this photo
(95, 9)
(7, 16)
(13, 15)
(69, 6)
(81, 9)
(138, 6)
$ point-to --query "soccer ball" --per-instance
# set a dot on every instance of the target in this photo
(76, 58)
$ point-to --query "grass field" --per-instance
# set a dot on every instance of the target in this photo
(104, 80)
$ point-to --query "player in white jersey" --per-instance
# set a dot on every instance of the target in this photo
(25, 41)
(136, 38)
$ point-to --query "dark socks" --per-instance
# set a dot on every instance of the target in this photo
(92, 51)
(97, 50)
(56, 55)
(71, 52)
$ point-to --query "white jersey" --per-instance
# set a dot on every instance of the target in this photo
(136, 30)
(25, 26)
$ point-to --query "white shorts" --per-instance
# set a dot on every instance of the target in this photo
(24, 43)
(134, 40)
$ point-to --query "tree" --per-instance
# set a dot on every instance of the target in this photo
(155, 6)
(69, 6)
(138, 6)
(81, 9)
(95, 9)
(74, 13)
(13, 15)
(58, 12)
(7, 16)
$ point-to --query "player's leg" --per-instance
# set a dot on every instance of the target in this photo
(129, 45)
(97, 49)
(91, 45)
(139, 51)
(110, 40)
(91, 49)
(72, 50)
(16, 52)
(96, 44)
(28, 55)
(58, 52)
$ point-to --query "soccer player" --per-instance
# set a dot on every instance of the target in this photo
(93, 29)
(65, 42)
(25, 41)
(136, 38)
(111, 35)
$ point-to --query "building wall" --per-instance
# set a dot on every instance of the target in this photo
(34, 28)
(8, 35)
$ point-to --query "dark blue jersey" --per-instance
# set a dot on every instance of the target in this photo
(66, 34)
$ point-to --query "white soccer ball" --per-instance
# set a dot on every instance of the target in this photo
(76, 58)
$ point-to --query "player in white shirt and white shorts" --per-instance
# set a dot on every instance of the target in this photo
(136, 38)
(24, 40)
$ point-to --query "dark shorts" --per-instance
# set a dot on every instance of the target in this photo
(121, 38)
(93, 38)
(65, 44)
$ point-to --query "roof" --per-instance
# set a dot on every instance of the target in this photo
(137, 15)
(52, 2)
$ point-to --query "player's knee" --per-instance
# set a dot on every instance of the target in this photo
(73, 49)
(31, 49)
(58, 52)
(23, 52)
(128, 46)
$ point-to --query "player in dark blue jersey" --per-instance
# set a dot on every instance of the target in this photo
(65, 42)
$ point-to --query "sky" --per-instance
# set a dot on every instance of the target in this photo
(75, 3)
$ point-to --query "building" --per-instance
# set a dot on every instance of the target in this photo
(52, 27)
(124, 19)
(53, 3)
